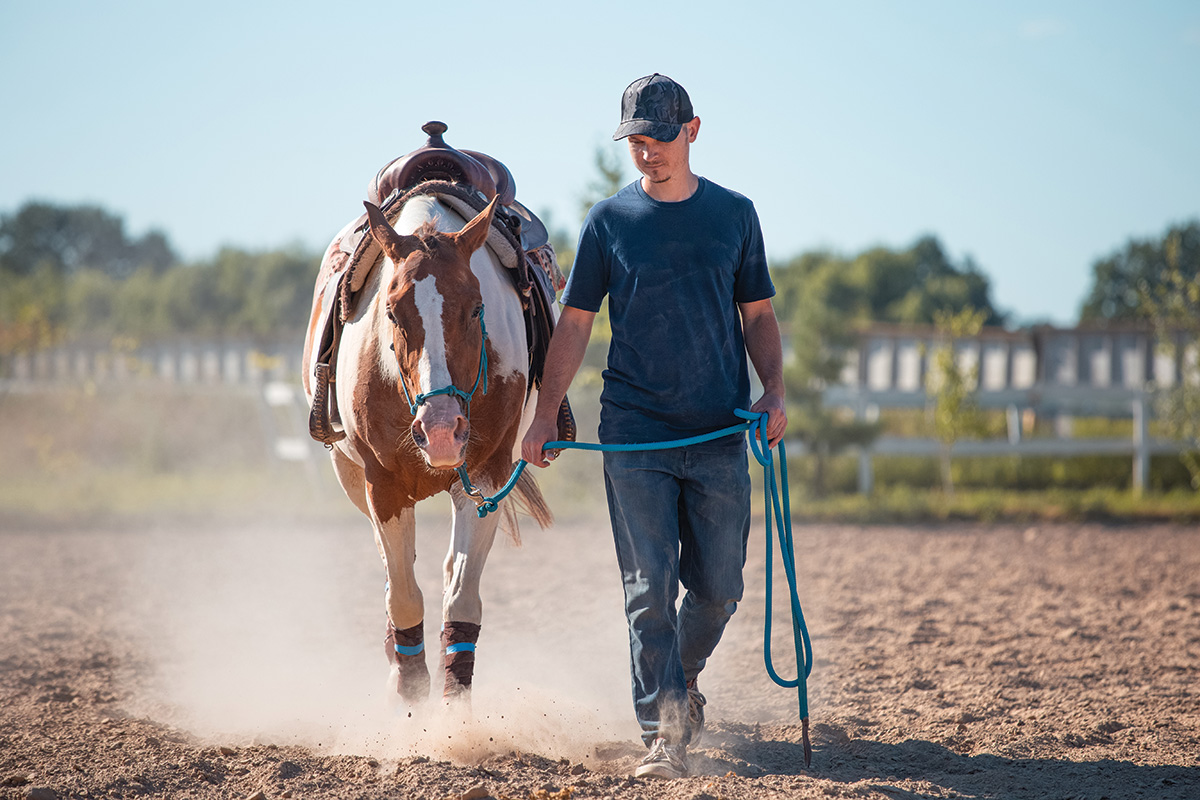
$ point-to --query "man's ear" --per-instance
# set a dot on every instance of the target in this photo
(693, 127)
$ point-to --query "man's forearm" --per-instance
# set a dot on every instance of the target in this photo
(565, 355)
(764, 345)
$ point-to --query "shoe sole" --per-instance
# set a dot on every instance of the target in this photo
(660, 771)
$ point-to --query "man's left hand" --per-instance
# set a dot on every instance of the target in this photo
(773, 405)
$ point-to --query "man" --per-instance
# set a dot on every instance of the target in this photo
(682, 262)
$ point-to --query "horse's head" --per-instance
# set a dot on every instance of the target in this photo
(435, 310)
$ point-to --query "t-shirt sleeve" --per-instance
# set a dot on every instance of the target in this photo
(753, 280)
(588, 282)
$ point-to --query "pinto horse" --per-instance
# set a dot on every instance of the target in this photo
(432, 374)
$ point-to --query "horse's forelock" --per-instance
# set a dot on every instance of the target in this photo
(427, 232)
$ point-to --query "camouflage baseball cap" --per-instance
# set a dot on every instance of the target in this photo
(654, 106)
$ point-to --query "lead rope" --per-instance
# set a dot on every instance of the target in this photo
(773, 495)
(776, 504)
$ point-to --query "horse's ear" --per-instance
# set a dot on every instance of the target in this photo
(396, 246)
(474, 233)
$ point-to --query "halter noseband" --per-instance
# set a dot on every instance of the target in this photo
(452, 390)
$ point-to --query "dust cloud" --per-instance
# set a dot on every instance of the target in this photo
(261, 634)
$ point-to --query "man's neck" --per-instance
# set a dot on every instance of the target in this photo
(674, 190)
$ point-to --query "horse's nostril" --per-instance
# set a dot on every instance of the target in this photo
(418, 434)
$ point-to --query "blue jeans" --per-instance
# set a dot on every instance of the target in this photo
(678, 516)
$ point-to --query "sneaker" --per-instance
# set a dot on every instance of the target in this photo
(664, 761)
(696, 703)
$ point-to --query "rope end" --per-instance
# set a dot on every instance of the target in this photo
(807, 743)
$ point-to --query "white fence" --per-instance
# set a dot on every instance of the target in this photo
(183, 361)
(1041, 371)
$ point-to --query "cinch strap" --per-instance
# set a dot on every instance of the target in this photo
(461, 647)
(415, 650)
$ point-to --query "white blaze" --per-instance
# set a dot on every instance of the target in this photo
(505, 323)
(433, 373)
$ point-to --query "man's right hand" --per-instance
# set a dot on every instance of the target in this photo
(540, 432)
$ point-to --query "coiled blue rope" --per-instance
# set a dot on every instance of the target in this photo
(777, 512)
(778, 497)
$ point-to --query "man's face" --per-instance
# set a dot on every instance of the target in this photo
(663, 161)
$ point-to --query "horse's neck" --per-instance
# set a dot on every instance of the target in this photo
(504, 316)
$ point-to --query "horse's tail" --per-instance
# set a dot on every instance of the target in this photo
(526, 498)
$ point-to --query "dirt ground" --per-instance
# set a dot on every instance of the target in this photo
(239, 661)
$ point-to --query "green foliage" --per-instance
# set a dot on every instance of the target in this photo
(610, 178)
(884, 285)
(1122, 280)
(72, 274)
(955, 412)
(32, 310)
(904, 504)
(245, 293)
(819, 338)
(824, 296)
(68, 239)
(239, 293)
(1173, 305)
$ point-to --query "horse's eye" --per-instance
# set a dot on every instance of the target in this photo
(391, 317)
(478, 310)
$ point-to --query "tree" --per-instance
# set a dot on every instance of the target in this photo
(952, 388)
(609, 180)
(1119, 281)
(824, 296)
(1173, 305)
(885, 285)
(67, 239)
(1157, 281)
(819, 340)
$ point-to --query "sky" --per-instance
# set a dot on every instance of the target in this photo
(1033, 137)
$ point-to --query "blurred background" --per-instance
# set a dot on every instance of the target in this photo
(982, 220)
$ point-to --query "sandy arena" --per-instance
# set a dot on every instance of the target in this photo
(958, 661)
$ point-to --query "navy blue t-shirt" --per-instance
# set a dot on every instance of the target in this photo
(674, 274)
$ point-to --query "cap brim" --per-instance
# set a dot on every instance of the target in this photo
(662, 131)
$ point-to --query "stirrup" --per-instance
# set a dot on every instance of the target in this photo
(320, 427)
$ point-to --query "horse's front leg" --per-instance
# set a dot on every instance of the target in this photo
(405, 638)
(462, 608)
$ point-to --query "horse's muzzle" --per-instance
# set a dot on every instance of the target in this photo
(440, 431)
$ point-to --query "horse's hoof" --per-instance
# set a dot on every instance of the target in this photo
(412, 683)
(457, 701)
(409, 677)
(405, 695)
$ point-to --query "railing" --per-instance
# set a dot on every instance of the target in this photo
(1041, 371)
(182, 361)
